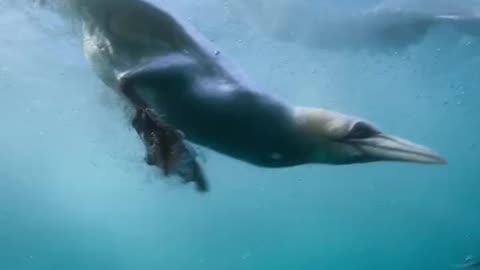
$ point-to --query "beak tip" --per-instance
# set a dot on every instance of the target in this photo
(434, 159)
(430, 161)
(395, 149)
(442, 161)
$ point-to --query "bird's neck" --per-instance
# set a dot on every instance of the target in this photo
(319, 123)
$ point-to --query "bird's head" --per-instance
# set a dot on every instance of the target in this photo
(340, 139)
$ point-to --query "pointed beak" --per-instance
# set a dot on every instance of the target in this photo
(384, 147)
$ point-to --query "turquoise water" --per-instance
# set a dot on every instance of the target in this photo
(75, 193)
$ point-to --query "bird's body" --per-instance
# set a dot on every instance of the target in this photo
(157, 61)
(207, 97)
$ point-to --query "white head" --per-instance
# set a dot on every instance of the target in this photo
(342, 139)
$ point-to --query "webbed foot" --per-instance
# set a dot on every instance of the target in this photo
(167, 148)
(150, 159)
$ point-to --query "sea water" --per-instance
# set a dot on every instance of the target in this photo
(76, 194)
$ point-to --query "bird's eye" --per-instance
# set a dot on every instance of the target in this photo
(362, 130)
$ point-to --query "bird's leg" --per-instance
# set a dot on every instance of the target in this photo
(154, 132)
(192, 172)
(167, 149)
(150, 157)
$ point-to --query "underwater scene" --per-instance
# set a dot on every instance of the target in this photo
(250, 134)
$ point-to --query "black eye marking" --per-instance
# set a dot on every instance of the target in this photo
(362, 130)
